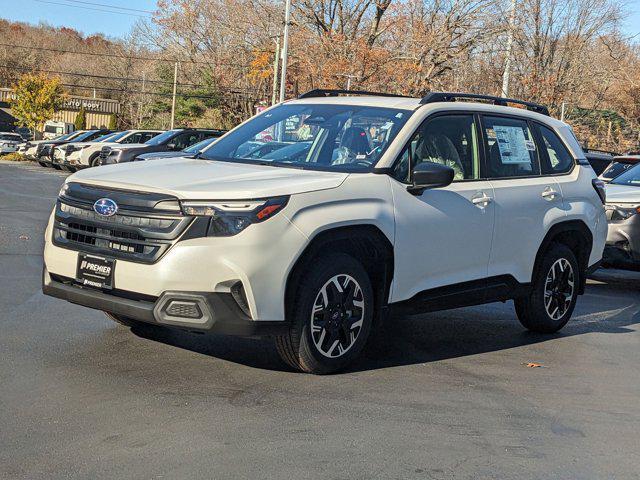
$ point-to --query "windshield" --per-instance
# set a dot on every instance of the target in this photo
(70, 136)
(118, 136)
(198, 147)
(159, 139)
(84, 135)
(323, 136)
(614, 169)
(631, 177)
(10, 136)
(105, 138)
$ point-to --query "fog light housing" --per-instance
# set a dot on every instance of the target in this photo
(183, 309)
(189, 310)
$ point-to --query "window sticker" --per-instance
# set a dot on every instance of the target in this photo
(531, 145)
(512, 144)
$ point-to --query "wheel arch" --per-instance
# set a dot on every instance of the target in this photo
(576, 235)
(366, 243)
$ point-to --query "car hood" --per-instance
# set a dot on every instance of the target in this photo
(197, 179)
(622, 193)
(156, 155)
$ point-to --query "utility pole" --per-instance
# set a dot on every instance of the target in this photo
(562, 111)
(274, 95)
(285, 48)
(349, 77)
(173, 99)
(507, 61)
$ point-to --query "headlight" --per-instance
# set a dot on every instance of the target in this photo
(620, 212)
(230, 218)
(63, 190)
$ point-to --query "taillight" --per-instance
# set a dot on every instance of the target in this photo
(598, 186)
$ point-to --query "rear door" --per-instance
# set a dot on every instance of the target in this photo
(527, 202)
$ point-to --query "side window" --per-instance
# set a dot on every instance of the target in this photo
(449, 140)
(558, 160)
(145, 137)
(185, 140)
(134, 138)
(510, 147)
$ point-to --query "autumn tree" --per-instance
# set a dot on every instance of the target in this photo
(81, 119)
(36, 99)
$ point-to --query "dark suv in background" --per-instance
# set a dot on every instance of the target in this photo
(170, 141)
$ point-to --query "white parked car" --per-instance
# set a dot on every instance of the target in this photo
(9, 142)
(314, 219)
(88, 154)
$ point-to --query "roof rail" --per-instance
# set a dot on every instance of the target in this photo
(597, 150)
(327, 92)
(433, 97)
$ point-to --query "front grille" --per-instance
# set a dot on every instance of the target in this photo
(136, 233)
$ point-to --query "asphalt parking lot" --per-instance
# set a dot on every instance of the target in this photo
(439, 396)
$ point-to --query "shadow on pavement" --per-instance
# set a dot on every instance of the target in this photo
(408, 340)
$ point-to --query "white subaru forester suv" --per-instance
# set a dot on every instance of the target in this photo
(313, 220)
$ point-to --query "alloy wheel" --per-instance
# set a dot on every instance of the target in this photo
(559, 288)
(337, 316)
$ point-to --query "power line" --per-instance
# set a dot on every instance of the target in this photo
(116, 7)
(105, 77)
(157, 94)
(90, 8)
(126, 57)
(227, 89)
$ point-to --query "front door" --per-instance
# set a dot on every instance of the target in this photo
(443, 236)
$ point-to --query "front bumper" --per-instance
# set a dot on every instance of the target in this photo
(623, 241)
(219, 311)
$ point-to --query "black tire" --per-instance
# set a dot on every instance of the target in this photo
(56, 166)
(534, 310)
(42, 164)
(341, 316)
(94, 160)
(69, 168)
(122, 320)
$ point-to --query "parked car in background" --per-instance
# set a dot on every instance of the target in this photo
(30, 148)
(398, 203)
(598, 159)
(60, 152)
(619, 165)
(623, 214)
(45, 150)
(88, 155)
(9, 142)
(169, 141)
(53, 129)
(189, 152)
(25, 133)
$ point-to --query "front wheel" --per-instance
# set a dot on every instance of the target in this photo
(331, 314)
(555, 290)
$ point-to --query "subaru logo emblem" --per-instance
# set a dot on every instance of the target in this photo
(105, 207)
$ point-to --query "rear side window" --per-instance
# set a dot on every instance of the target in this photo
(558, 159)
(510, 148)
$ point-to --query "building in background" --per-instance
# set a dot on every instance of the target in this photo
(98, 110)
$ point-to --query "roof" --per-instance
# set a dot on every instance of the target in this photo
(408, 103)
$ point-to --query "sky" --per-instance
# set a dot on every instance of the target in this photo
(91, 16)
(86, 16)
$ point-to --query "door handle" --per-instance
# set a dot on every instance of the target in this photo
(482, 201)
(549, 194)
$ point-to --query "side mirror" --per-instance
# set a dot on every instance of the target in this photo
(428, 175)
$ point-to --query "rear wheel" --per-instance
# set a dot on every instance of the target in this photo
(555, 290)
(42, 164)
(331, 314)
(94, 160)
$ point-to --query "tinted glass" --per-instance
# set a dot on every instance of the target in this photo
(511, 149)
(185, 140)
(615, 169)
(322, 136)
(198, 147)
(85, 136)
(558, 159)
(449, 140)
(630, 177)
(164, 136)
